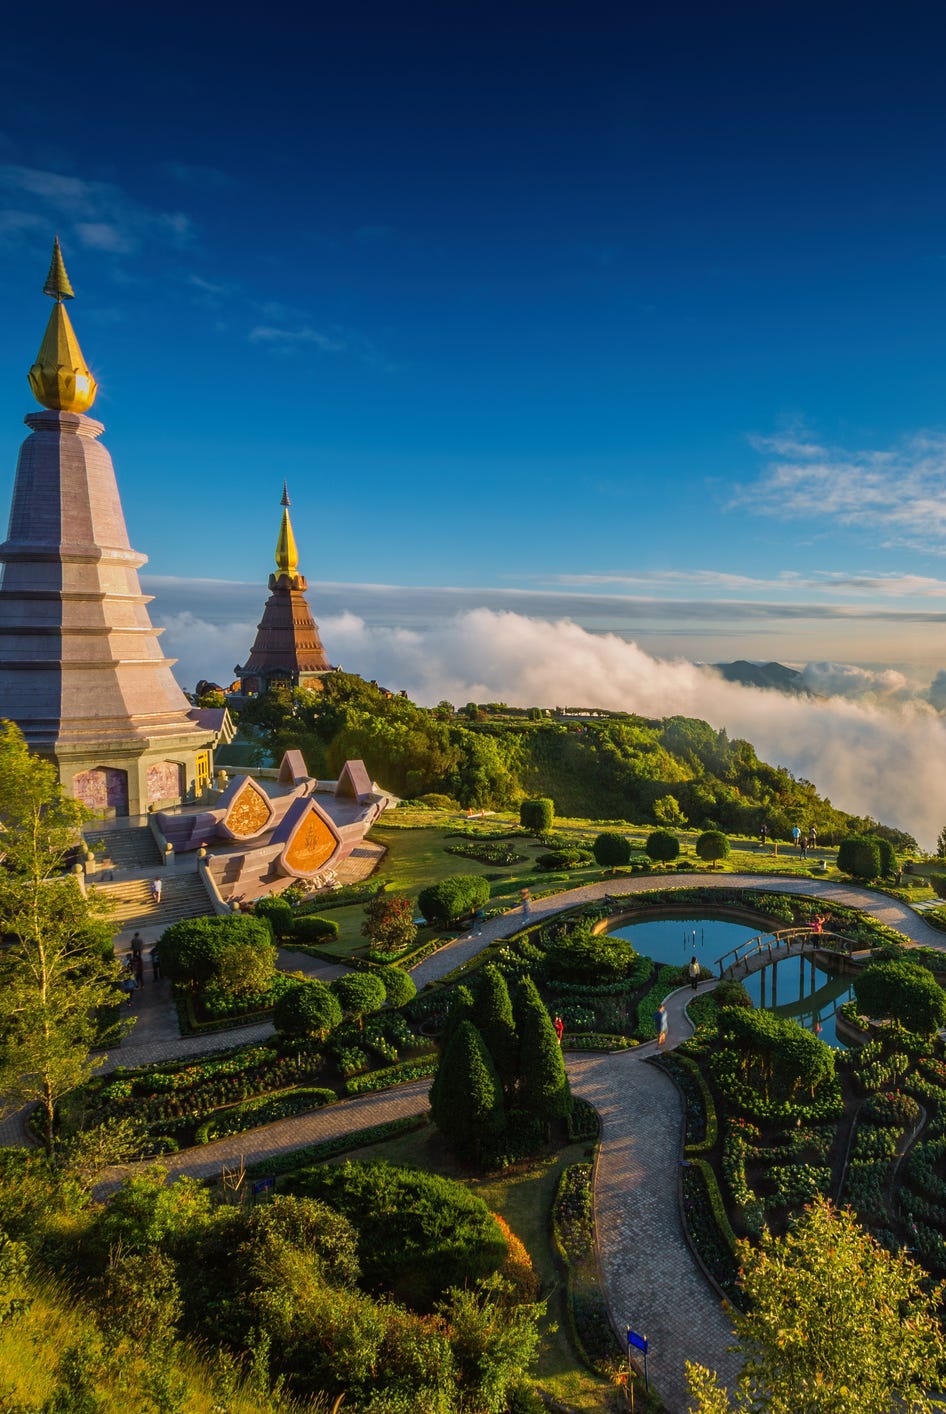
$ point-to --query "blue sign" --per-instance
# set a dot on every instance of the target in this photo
(264, 1185)
(638, 1341)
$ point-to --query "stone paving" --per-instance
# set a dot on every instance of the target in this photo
(651, 1279)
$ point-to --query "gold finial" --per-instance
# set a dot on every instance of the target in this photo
(60, 377)
(287, 556)
(57, 284)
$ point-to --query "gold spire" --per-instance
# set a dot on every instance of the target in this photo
(57, 284)
(287, 556)
(60, 377)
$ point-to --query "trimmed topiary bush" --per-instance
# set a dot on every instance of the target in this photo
(196, 951)
(537, 816)
(309, 929)
(584, 956)
(466, 1098)
(453, 898)
(662, 846)
(859, 857)
(278, 912)
(564, 859)
(398, 986)
(904, 991)
(310, 1009)
(712, 846)
(359, 993)
(611, 850)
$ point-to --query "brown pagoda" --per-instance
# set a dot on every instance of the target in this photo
(288, 649)
(81, 670)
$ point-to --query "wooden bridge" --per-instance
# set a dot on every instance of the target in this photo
(766, 948)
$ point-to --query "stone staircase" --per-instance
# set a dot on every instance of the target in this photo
(182, 896)
(123, 847)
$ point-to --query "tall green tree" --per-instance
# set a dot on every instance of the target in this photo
(835, 1323)
(58, 972)
(389, 922)
(466, 1097)
(543, 1084)
(493, 1018)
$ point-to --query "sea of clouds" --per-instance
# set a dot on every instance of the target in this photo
(871, 740)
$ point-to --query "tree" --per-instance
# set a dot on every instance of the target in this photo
(859, 857)
(58, 973)
(712, 846)
(941, 844)
(537, 816)
(835, 1323)
(667, 812)
(543, 1085)
(611, 849)
(359, 993)
(453, 897)
(662, 845)
(492, 1016)
(310, 1009)
(389, 923)
(904, 990)
(278, 912)
(399, 986)
(466, 1097)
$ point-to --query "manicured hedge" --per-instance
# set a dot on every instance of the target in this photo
(453, 898)
(309, 929)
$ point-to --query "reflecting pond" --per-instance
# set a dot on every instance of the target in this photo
(793, 987)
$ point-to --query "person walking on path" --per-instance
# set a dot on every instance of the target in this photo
(526, 902)
(693, 972)
(763, 833)
(138, 966)
(156, 886)
(137, 945)
(796, 835)
(559, 1025)
(660, 1022)
(155, 964)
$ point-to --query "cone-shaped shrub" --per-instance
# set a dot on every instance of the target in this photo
(460, 1009)
(466, 1098)
(543, 1084)
(492, 1017)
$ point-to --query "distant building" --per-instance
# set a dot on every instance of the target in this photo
(287, 649)
(81, 672)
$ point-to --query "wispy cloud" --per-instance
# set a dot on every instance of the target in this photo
(283, 340)
(896, 492)
(891, 585)
(100, 214)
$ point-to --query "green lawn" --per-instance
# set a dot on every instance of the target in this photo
(524, 1200)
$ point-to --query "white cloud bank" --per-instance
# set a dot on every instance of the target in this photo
(886, 760)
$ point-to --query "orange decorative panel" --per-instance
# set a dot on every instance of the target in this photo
(311, 845)
(250, 811)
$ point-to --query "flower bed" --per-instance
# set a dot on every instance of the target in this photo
(237, 1118)
(699, 1109)
(598, 1041)
(708, 1226)
(391, 1075)
(574, 1233)
(486, 852)
(584, 1125)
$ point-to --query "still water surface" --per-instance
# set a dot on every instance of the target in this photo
(793, 987)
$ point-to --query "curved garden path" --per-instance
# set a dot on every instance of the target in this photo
(651, 1279)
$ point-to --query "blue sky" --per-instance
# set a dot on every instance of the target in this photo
(634, 314)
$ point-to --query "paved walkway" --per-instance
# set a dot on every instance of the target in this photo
(651, 1280)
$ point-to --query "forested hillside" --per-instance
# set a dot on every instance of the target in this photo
(598, 765)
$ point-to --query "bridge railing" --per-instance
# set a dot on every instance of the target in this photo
(777, 944)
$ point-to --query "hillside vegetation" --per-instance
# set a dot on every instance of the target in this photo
(595, 765)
